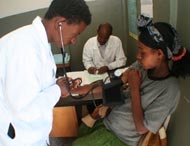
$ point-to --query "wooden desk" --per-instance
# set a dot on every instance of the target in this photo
(86, 80)
(69, 101)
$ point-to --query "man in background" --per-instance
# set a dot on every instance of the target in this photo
(28, 87)
(103, 52)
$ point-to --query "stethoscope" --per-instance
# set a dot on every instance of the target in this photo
(69, 82)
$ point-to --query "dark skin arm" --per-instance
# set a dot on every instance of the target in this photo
(63, 86)
(62, 83)
(101, 70)
(124, 76)
(92, 70)
(134, 81)
(85, 88)
(133, 78)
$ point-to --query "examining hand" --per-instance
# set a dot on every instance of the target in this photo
(103, 69)
(85, 88)
(75, 83)
(61, 82)
(92, 70)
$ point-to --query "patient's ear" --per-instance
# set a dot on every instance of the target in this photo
(160, 53)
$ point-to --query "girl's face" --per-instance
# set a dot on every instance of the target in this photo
(149, 58)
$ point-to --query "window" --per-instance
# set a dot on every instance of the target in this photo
(147, 8)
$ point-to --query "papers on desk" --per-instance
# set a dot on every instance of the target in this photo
(89, 78)
(92, 77)
(86, 77)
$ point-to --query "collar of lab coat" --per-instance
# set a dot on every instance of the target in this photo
(37, 23)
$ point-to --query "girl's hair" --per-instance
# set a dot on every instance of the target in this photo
(163, 36)
(75, 11)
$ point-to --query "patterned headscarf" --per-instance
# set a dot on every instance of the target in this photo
(176, 52)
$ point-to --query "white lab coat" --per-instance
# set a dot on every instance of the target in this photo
(28, 91)
(114, 54)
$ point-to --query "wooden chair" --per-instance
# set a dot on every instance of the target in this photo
(158, 139)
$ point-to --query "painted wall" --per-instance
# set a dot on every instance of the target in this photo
(161, 10)
(10, 23)
(9, 8)
(179, 129)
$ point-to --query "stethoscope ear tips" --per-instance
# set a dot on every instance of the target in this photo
(60, 24)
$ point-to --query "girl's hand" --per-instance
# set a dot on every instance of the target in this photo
(134, 78)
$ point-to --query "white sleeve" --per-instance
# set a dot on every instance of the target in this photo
(120, 59)
(30, 86)
(88, 55)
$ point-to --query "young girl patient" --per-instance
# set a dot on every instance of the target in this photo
(153, 91)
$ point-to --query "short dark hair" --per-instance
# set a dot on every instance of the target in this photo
(75, 11)
(107, 25)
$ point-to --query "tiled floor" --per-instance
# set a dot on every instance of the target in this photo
(58, 141)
